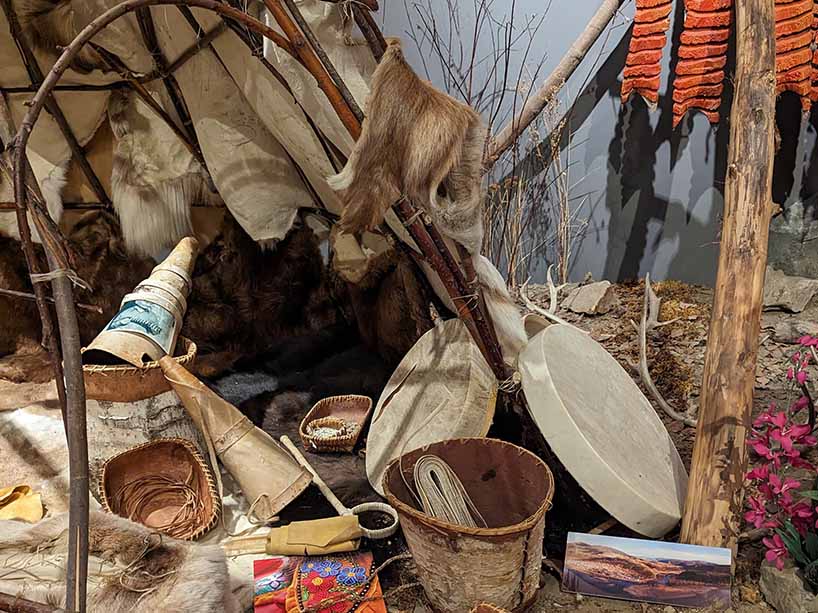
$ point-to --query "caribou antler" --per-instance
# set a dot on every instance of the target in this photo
(546, 313)
(650, 321)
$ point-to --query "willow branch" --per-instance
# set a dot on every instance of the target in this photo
(313, 64)
(328, 65)
(27, 296)
(17, 604)
(509, 134)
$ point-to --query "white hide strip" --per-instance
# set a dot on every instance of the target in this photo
(503, 311)
(250, 168)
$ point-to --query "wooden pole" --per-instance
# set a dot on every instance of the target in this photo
(715, 491)
(534, 105)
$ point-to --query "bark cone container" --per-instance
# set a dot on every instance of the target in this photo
(268, 475)
(150, 317)
(461, 567)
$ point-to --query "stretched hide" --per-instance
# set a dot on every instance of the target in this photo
(131, 569)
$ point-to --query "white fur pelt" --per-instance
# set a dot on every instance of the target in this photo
(52, 180)
(154, 180)
(130, 570)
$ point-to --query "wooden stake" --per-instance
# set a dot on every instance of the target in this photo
(714, 497)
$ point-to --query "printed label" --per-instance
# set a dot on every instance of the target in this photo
(146, 319)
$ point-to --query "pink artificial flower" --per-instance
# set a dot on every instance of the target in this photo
(780, 487)
(799, 404)
(799, 462)
(776, 551)
(759, 473)
(801, 377)
(790, 374)
(796, 357)
(796, 434)
(758, 514)
(768, 417)
(808, 341)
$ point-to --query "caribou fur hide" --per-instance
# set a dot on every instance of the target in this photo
(49, 25)
(131, 569)
(419, 142)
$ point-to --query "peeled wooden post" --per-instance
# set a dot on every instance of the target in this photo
(714, 497)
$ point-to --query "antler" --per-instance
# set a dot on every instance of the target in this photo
(650, 321)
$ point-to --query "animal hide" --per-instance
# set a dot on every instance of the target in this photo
(50, 25)
(131, 569)
(244, 297)
(502, 309)
(419, 142)
(154, 179)
(52, 180)
(391, 306)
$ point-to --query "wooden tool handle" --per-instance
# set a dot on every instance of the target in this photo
(332, 498)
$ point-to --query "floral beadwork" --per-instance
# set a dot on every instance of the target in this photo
(331, 584)
(328, 568)
(351, 576)
(272, 583)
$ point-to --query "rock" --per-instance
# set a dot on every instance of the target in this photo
(592, 299)
(749, 593)
(791, 329)
(668, 610)
(782, 291)
(785, 592)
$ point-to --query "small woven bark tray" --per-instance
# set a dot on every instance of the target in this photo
(344, 413)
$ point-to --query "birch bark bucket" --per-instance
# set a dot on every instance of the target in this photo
(461, 567)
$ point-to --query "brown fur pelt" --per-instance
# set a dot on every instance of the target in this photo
(131, 569)
(50, 25)
(419, 142)
(101, 262)
(391, 305)
(244, 297)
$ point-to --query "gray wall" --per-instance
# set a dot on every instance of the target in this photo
(654, 195)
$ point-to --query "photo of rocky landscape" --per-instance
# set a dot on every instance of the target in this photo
(650, 571)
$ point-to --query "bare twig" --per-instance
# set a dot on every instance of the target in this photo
(548, 314)
(650, 321)
(508, 135)
(28, 296)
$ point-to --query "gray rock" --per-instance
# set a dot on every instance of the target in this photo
(782, 291)
(592, 299)
(668, 610)
(785, 592)
(790, 330)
